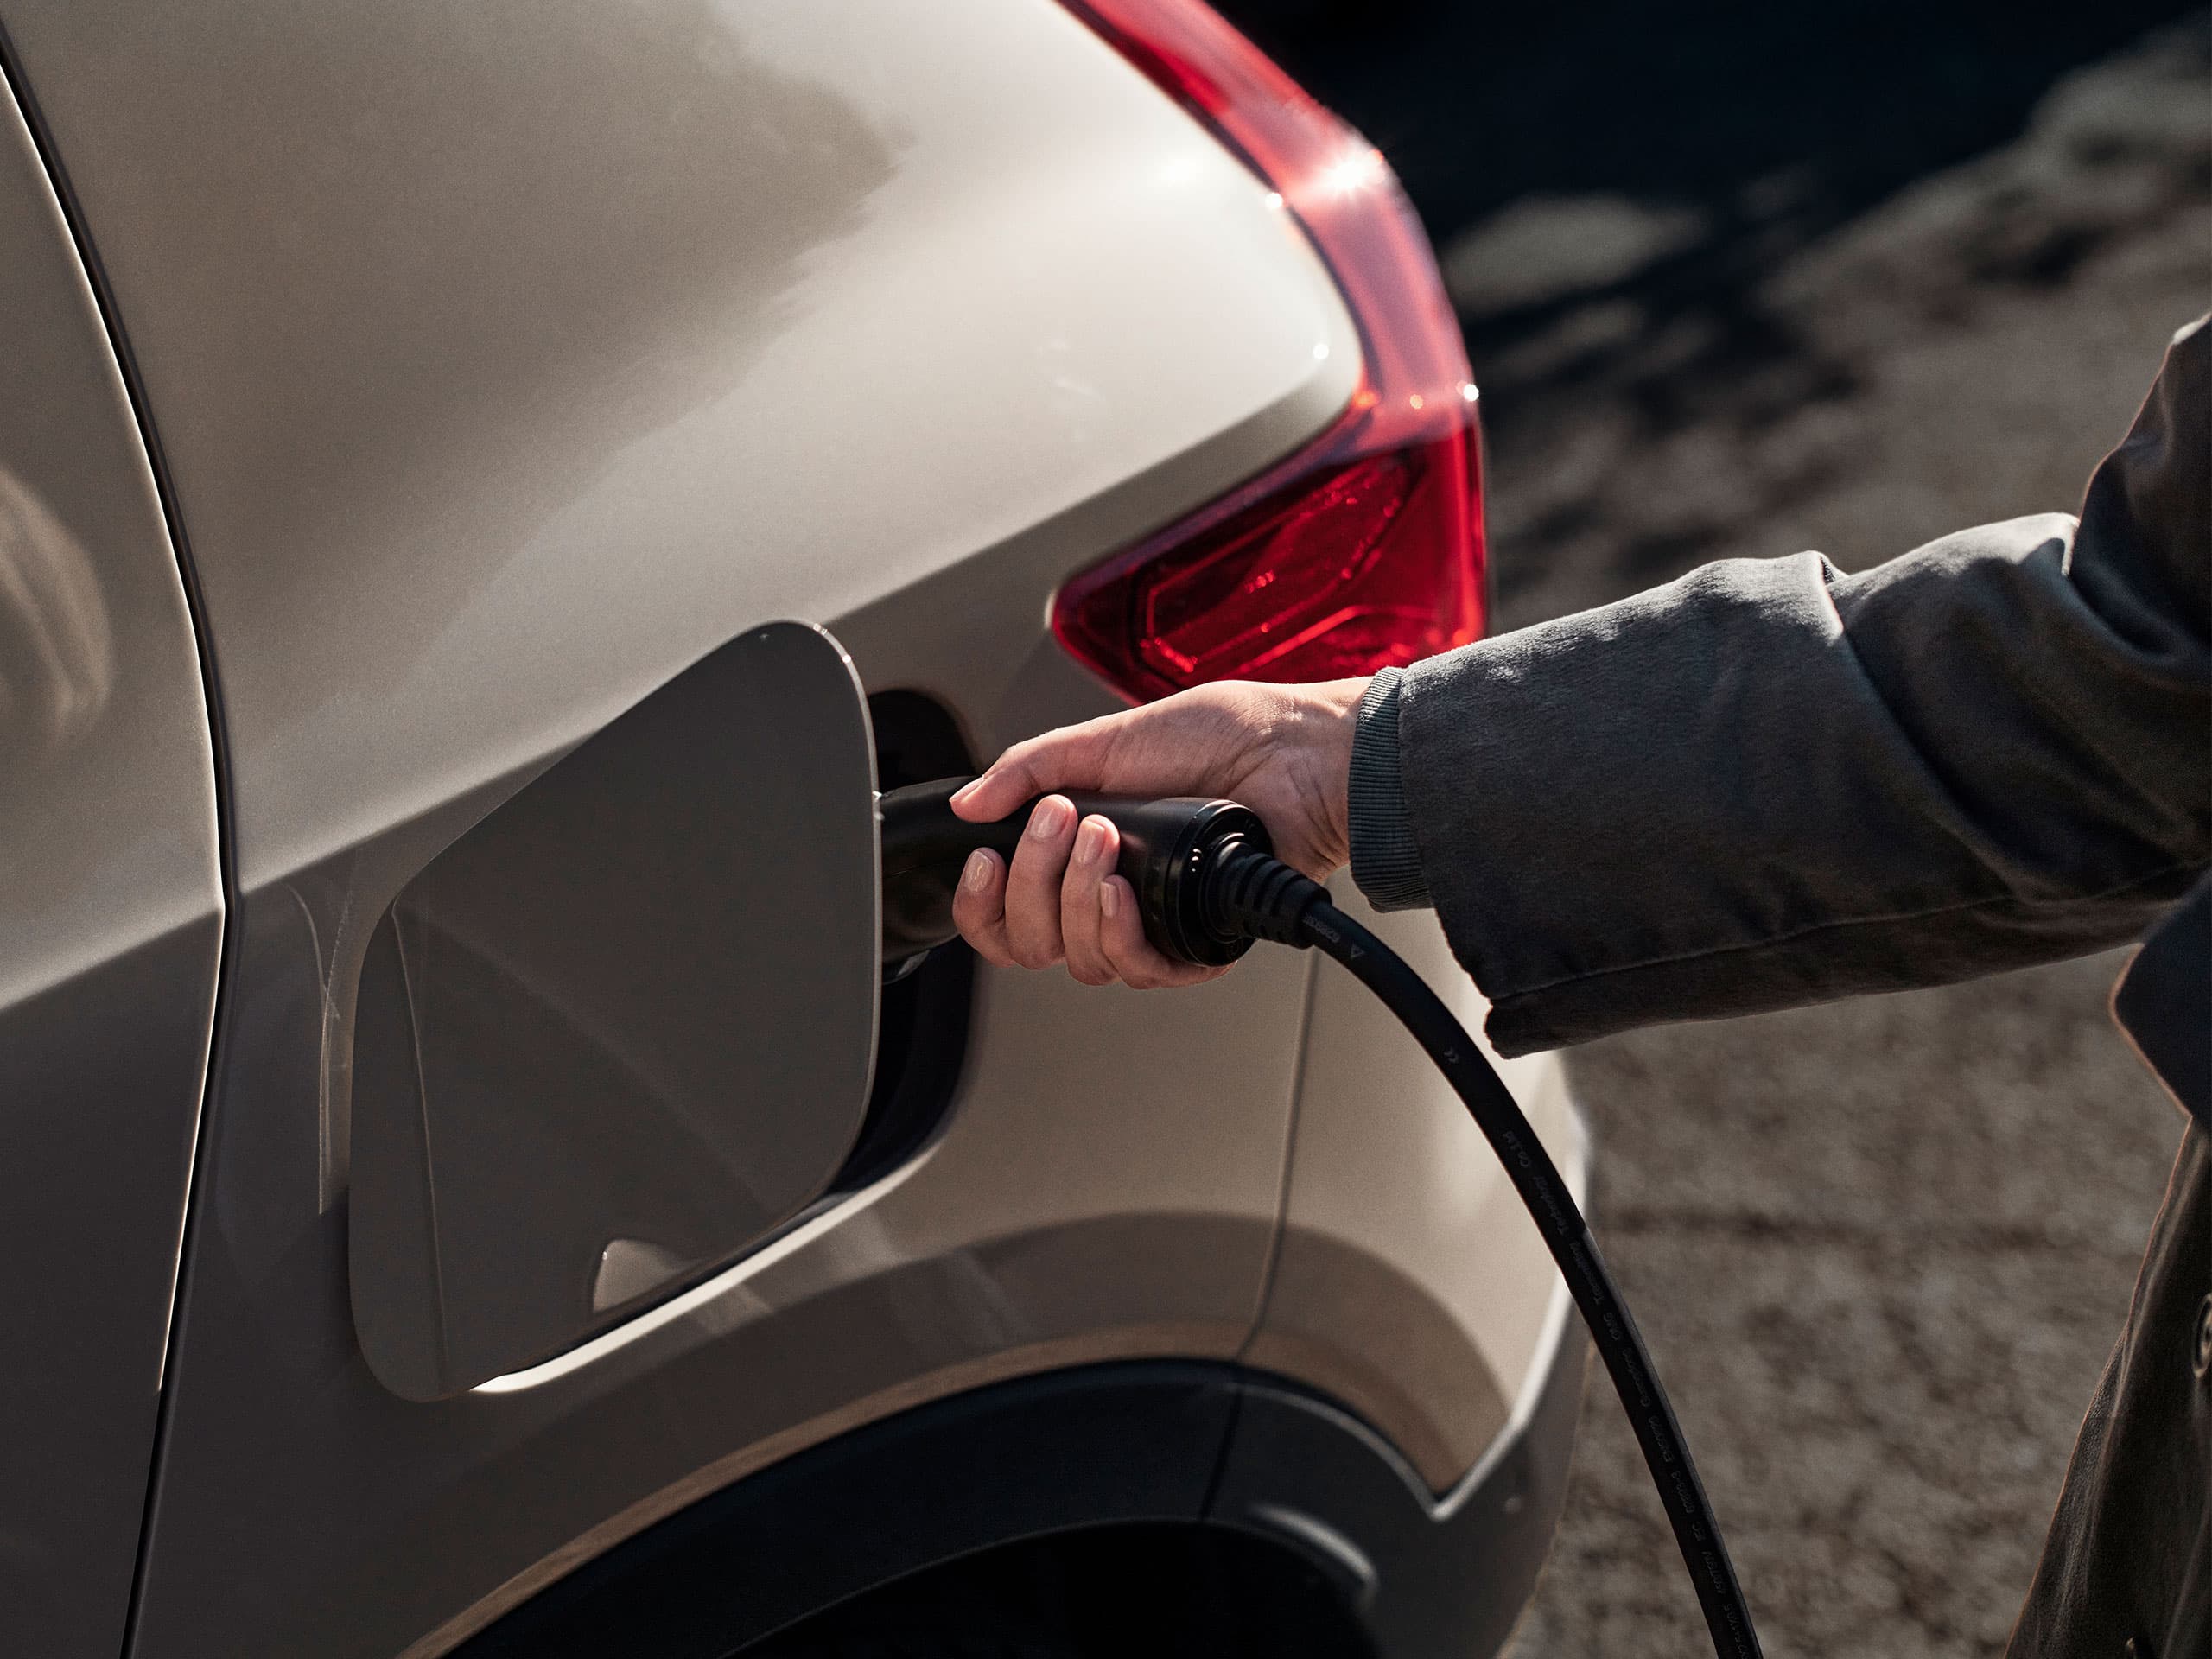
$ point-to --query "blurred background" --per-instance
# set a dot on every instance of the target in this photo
(1741, 280)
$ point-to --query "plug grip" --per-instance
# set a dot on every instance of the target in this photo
(1168, 848)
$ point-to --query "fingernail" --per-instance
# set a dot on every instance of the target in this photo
(1091, 842)
(1045, 822)
(1110, 899)
(966, 790)
(979, 871)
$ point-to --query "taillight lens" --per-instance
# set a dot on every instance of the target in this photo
(1365, 549)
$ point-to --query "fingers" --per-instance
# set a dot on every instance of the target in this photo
(1033, 886)
(1014, 916)
(979, 908)
(1097, 842)
(1132, 958)
(1061, 899)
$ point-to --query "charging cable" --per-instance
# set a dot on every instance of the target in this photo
(1208, 885)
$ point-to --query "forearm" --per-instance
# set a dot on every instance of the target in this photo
(1769, 783)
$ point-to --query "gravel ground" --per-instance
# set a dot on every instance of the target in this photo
(1825, 293)
(1882, 1247)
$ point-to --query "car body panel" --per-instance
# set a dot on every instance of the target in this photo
(304, 1508)
(110, 924)
(1410, 1284)
(509, 359)
(459, 495)
(584, 1073)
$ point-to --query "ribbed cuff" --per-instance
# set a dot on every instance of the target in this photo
(1385, 858)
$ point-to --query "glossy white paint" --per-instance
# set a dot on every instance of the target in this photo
(107, 784)
(509, 358)
(111, 916)
(1410, 1283)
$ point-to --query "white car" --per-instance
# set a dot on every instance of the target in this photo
(395, 400)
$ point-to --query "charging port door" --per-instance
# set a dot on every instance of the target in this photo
(620, 1031)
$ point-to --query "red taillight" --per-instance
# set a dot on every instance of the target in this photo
(1365, 549)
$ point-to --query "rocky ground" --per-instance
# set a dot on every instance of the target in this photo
(1733, 292)
(1882, 1247)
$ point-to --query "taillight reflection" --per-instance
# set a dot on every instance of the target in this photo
(1365, 549)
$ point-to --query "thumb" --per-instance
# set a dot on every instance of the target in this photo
(1066, 759)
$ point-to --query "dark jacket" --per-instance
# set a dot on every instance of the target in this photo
(1772, 784)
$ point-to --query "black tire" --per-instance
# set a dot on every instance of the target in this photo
(1165, 1592)
(1000, 1609)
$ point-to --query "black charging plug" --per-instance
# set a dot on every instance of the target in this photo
(1206, 878)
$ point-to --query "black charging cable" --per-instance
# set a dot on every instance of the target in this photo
(1208, 885)
(1551, 1202)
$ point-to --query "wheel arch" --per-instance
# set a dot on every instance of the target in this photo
(1162, 1473)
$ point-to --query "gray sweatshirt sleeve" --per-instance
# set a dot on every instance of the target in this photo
(1770, 784)
(1385, 858)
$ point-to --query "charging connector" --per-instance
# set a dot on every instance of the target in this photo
(1208, 885)
(1173, 854)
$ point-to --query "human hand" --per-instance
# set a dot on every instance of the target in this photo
(1284, 751)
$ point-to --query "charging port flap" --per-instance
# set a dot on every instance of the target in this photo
(620, 1030)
